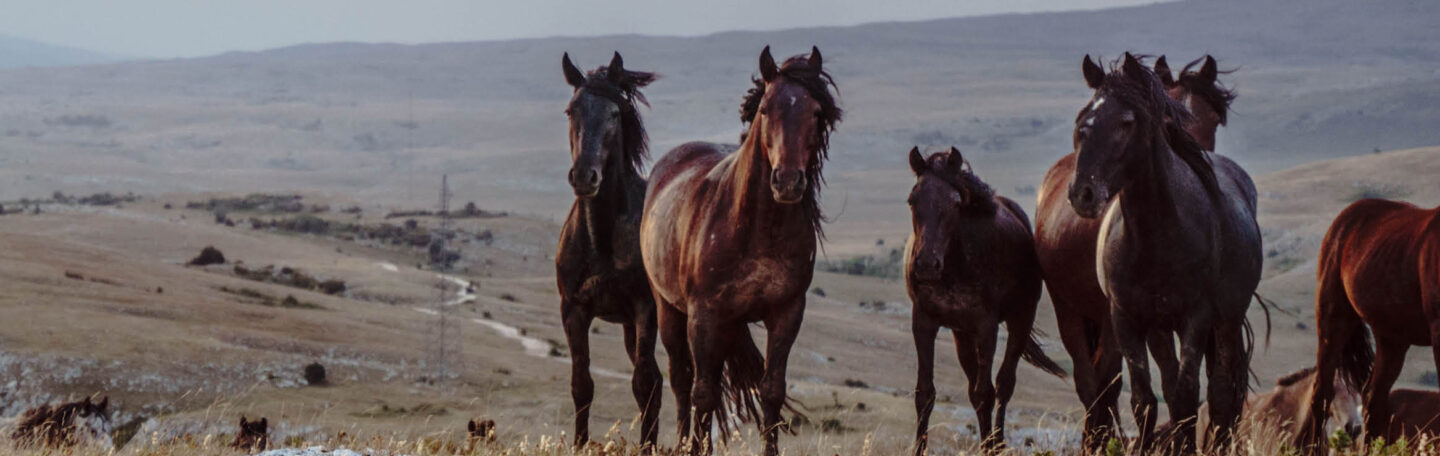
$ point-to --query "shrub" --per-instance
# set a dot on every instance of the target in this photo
(208, 256)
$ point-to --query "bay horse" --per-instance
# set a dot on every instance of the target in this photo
(969, 266)
(597, 264)
(730, 238)
(1179, 251)
(1379, 266)
(254, 436)
(77, 423)
(1065, 244)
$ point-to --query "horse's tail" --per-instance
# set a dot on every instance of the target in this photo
(1357, 358)
(1036, 357)
(744, 372)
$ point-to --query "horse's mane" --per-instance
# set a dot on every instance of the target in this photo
(1294, 377)
(952, 168)
(1145, 93)
(817, 82)
(53, 425)
(1216, 94)
(625, 93)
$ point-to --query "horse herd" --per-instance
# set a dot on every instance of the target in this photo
(1143, 237)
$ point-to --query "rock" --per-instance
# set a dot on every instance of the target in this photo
(315, 374)
(208, 256)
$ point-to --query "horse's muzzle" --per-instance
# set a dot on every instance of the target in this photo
(788, 186)
(585, 182)
(1088, 199)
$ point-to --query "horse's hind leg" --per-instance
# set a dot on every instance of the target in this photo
(1389, 359)
(671, 324)
(1087, 386)
(1131, 337)
(582, 388)
(923, 328)
(1018, 330)
(646, 381)
(982, 390)
(1228, 365)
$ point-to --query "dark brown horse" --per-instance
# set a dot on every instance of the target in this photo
(597, 264)
(970, 266)
(1065, 243)
(1178, 251)
(1379, 266)
(730, 239)
(82, 422)
(253, 436)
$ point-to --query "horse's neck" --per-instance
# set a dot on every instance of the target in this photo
(747, 195)
(1165, 206)
(614, 206)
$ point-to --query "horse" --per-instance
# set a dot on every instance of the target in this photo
(253, 435)
(1282, 408)
(1065, 244)
(1179, 250)
(479, 432)
(71, 424)
(970, 265)
(1379, 266)
(730, 238)
(1413, 413)
(598, 268)
(1200, 89)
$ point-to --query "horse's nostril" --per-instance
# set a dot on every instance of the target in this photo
(1087, 195)
(594, 177)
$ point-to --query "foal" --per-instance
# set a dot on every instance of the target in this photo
(969, 266)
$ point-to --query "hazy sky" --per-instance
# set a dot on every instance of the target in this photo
(182, 28)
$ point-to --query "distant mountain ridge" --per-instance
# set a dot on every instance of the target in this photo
(20, 53)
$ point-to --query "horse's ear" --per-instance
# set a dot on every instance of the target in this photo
(1162, 70)
(917, 161)
(617, 69)
(471, 427)
(265, 423)
(1209, 70)
(1131, 66)
(1094, 75)
(573, 75)
(815, 59)
(104, 403)
(242, 421)
(768, 70)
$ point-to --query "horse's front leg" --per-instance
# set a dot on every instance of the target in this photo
(1130, 335)
(924, 328)
(582, 388)
(781, 329)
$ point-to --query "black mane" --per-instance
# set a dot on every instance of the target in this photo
(817, 82)
(1146, 94)
(1217, 95)
(1294, 377)
(626, 94)
(952, 168)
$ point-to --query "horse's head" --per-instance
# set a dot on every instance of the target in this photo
(604, 122)
(946, 195)
(791, 113)
(1208, 100)
(253, 435)
(481, 430)
(1120, 125)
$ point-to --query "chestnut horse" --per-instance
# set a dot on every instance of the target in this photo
(1065, 244)
(1178, 252)
(970, 266)
(1379, 266)
(1282, 408)
(597, 265)
(730, 239)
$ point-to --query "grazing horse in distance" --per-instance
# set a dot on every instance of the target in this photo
(597, 264)
(730, 239)
(970, 266)
(67, 425)
(1379, 266)
(1178, 251)
(253, 435)
(1065, 243)
(1283, 407)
